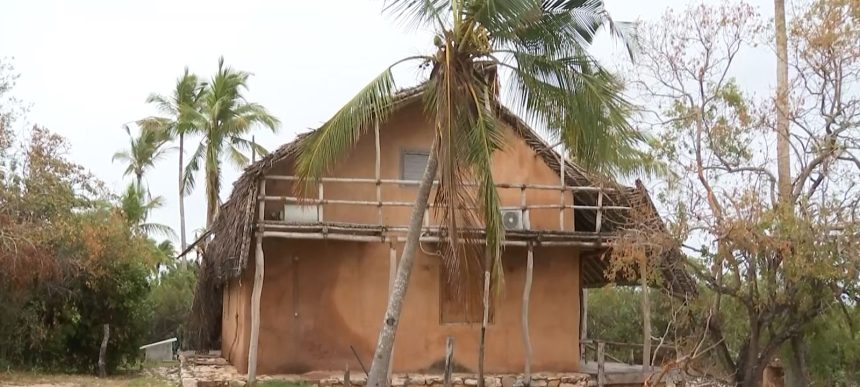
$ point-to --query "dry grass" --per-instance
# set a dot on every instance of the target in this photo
(64, 380)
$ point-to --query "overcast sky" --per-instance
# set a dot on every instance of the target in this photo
(87, 66)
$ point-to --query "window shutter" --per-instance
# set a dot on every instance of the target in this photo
(413, 165)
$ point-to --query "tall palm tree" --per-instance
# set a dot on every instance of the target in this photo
(185, 97)
(223, 118)
(540, 45)
(136, 206)
(143, 151)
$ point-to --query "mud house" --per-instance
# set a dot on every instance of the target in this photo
(329, 258)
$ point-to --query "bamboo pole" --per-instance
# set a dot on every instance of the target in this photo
(256, 294)
(527, 377)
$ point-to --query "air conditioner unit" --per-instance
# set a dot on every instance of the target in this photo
(514, 219)
(294, 213)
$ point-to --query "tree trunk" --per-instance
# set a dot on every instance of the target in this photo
(797, 372)
(256, 294)
(212, 186)
(384, 345)
(103, 351)
(181, 193)
(486, 317)
(527, 344)
(782, 130)
(646, 318)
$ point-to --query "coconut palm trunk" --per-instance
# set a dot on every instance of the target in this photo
(181, 187)
(213, 183)
(378, 375)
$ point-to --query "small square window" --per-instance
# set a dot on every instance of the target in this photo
(413, 164)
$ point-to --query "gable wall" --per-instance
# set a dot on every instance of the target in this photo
(321, 297)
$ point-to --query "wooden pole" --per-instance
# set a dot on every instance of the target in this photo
(601, 364)
(449, 361)
(646, 318)
(257, 291)
(346, 381)
(392, 273)
(561, 174)
(378, 172)
(488, 262)
(583, 318)
(599, 218)
(527, 377)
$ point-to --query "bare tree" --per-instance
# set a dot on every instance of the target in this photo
(774, 267)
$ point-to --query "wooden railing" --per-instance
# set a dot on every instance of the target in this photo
(566, 205)
(598, 348)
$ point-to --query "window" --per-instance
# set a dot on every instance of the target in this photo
(461, 299)
(413, 164)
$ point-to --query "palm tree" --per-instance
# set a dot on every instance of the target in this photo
(223, 118)
(540, 45)
(136, 206)
(186, 97)
(143, 151)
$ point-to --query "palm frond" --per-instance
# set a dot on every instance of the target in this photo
(419, 13)
(193, 166)
(580, 103)
(321, 149)
(157, 229)
(237, 157)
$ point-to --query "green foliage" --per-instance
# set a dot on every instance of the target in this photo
(615, 314)
(171, 297)
(71, 264)
(834, 348)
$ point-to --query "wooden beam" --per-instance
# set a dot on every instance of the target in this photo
(527, 376)
(428, 239)
(259, 267)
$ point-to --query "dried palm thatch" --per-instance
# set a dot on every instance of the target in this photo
(227, 253)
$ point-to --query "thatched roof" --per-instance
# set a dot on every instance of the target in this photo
(232, 229)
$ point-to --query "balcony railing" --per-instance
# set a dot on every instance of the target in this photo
(364, 206)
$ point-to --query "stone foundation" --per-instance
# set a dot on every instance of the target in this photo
(213, 371)
(466, 380)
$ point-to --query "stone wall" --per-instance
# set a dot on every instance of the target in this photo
(212, 370)
(467, 380)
